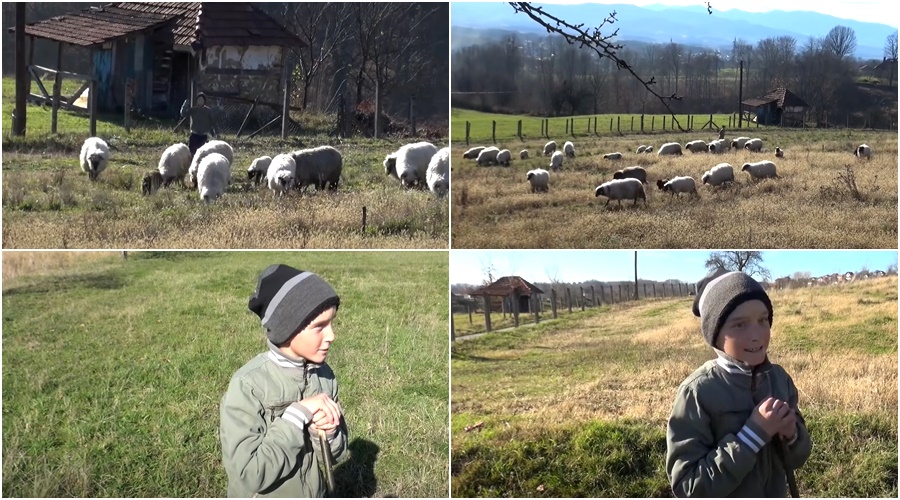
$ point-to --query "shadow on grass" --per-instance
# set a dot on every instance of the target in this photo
(94, 281)
(355, 478)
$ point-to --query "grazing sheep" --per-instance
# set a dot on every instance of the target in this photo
(697, 147)
(488, 156)
(213, 176)
(281, 174)
(221, 147)
(438, 174)
(503, 157)
(779, 153)
(613, 156)
(669, 148)
(738, 143)
(754, 145)
(556, 160)
(649, 150)
(94, 157)
(636, 172)
(718, 175)
(409, 163)
(549, 148)
(569, 149)
(621, 189)
(760, 169)
(321, 167)
(258, 169)
(523, 155)
(151, 182)
(678, 185)
(863, 150)
(472, 153)
(174, 163)
(539, 180)
(641, 149)
(718, 146)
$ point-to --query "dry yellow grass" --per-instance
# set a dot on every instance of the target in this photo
(493, 207)
(18, 264)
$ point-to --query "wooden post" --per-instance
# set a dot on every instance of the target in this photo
(286, 98)
(621, 296)
(602, 296)
(652, 123)
(547, 127)
(452, 329)
(22, 82)
(92, 105)
(468, 126)
(632, 123)
(654, 290)
(610, 124)
(469, 309)
(487, 313)
(128, 83)
(57, 87)
(642, 122)
(741, 96)
(569, 298)
(595, 126)
(664, 122)
(519, 133)
(515, 307)
(534, 307)
(364, 219)
(542, 128)
(553, 301)
(619, 124)
(645, 290)
(593, 297)
(567, 126)
(494, 131)
(581, 296)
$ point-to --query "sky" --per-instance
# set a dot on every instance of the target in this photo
(612, 265)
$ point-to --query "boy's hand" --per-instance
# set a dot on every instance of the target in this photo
(770, 415)
(790, 425)
(323, 409)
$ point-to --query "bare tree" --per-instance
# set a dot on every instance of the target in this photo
(489, 272)
(748, 262)
(841, 41)
(890, 46)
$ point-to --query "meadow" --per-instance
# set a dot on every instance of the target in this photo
(49, 203)
(577, 407)
(112, 382)
(825, 198)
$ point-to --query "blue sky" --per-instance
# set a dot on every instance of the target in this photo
(611, 265)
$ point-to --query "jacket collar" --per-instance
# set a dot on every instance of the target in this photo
(279, 358)
(735, 366)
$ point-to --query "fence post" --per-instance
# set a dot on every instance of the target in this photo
(632, 123)
(487, 313)
(92, 104)
(519, 133)
(572, 127)
(469, 309)
(642, 122)
(452, 329)
(567, 126)
(569, 298)
(664, 122)
(494, 131)
(468, 125)
(610, 124)
(542, 128)
(534, 307)
(619, 124)
(589, 125)
(654, 290)
(377, 106)
(621, 296)
(645, 290)
(595, 126)
(515, 304)
(593, 297)
(553, 301)
(581, 290)
(547, 127)
(652, 123)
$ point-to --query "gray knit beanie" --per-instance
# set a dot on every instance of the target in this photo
(720, 293)
(287, 300)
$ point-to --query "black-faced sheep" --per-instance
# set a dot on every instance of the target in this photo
(738, 142)
(151, 182)
(257, 170)
(523, 155)
(282, 174)
(760, 170)
(409, 163)
(863, 151)
(678, 185)
(539, 180)
(569, 149)
(779, 153)
(621, 189)
(174, 163)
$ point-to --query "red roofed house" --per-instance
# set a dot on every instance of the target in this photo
(509, 287)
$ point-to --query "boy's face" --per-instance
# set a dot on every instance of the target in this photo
(745, 334)
(312, 343)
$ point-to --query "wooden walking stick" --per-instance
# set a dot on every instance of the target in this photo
(329, 465)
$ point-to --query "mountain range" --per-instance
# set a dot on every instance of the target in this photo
(475, 22)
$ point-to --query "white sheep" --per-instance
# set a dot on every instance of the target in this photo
(549, 148)
(641, 149)
(281, 174)
(760, 169)
(569, 149)
(174, 163)
(94, 157)
(438, 174)
(523, 155)
(718, 175)
(863, 151)
(697, 146)
(221, 147)
(613, 156)
(472, 153)
(504, 157)
(488, 156)
(738, 142)
(669, 148)
(779, 153)
(409, 163)
(678, 185)
(621, 189)
(636, 172)
(556, 160)
(539, 180)
(718, 146)
(322, 166)
(258, 169)
(754, 145)
(213, 176)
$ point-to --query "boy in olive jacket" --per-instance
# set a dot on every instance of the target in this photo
(735, 429)
(276, 404)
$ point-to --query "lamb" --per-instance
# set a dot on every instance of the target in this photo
(322, 166)
(613, 156)
(438, 174)
(281, 174)
(174, 163)
(409, 163)
(621, 189)
(488, 156)
(151, 182)
(472, 153)
(863, 150)
(641, 149)
(258, 169)
(779, 153)
(754, 145)
(523, 155)
(669, 148)
(697, 146)
(738, 143)
(760, 170)
(636, 172)
(94, 157)
(718, 175)
(556, 160)
(649, 150)
(213, 176)
(539, 180)
(549, 148)
(717, 146)
(503, 157)
(678, 185)
(569, 149)
(221, 147)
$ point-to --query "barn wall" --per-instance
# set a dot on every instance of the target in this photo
(242, 71)
(253, 57)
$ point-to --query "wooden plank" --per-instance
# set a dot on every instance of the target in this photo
(39, 82)
(67, 74)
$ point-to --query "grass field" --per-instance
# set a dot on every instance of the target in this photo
(814, 205)
(577, 407)
(49, 203)
(113, 369)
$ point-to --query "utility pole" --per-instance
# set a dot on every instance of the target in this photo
(741, 97)
(635, 276)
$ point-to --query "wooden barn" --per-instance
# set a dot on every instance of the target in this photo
(508, 289)
(164, 52)
(777, 107)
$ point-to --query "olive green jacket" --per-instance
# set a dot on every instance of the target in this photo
(712, 448)
(266, 445)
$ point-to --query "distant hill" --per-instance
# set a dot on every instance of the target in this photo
(661, 24)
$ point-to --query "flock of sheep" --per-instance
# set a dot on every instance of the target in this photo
(208, 171)
(628, 183)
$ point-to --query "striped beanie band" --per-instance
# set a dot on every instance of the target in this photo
(287, 300)
(720, 293)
